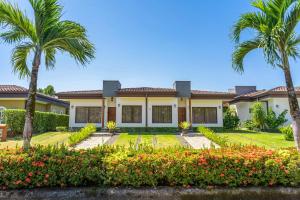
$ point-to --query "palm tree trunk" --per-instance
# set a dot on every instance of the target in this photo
(30, 104)
(293, 102)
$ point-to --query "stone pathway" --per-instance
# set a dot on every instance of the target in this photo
(199, 141)
(96, 139)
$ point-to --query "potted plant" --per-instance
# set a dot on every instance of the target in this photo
(111, 125)
(185, 126)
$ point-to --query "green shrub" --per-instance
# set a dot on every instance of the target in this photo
(82, 134)
(148, 129)
(258, 115)
(210, 134)
(288, 133)
(61, 129)
(273, 121)
(43, 121)
(108, 166)
(231, 120)
(249, 124)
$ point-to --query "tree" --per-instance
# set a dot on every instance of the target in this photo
(49, 90)
(274, 24)
(43, 37)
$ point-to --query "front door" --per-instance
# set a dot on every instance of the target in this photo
(111, 114)
(181, 114)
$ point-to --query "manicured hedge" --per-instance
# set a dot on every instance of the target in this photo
(43, 121)
(82, 134)
(148, 129)
(210, 134)
(112, 166)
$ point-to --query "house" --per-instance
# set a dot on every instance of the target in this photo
(275, 99)
(146, 106)
(14, 97)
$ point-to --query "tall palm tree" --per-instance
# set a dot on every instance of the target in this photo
(274, 25)
(41, 37)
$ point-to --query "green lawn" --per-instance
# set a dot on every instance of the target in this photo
(50, 138)
(264, 139)
(158, 140)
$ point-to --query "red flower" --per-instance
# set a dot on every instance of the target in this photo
(28, 180)
(222, 175)
(18, 182)
(30, 174)
(46, 175)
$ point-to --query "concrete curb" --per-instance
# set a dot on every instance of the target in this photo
(163, 193)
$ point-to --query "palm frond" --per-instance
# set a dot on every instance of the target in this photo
(19, 59)
(50, 58)
(241, 51)
(14, 18)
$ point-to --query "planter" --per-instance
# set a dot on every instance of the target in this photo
(184, 132)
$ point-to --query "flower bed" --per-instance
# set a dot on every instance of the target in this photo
(109, 166)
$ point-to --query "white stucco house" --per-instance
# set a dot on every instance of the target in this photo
(146, 106)
(275, 99)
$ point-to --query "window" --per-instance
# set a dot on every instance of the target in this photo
(2, 114)
(88, 115)
(205, 115)
(131, 114)
(161, 114)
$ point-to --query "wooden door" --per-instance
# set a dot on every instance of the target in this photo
(111, 114)
(181, 114)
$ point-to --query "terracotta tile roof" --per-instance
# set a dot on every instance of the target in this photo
(283, 89)
(12, 89)
(210, 92)
(81, 94)
(145, 89)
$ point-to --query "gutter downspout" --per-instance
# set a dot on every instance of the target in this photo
(103, 110)
(190, 112)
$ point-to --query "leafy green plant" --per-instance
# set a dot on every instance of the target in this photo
(210, 134)
(111, 125)
(84, 133)
(249, 124)
(273, 121)
(231, 120)
(258, 115)
(43, 121)
(288, 133)
(185, 125)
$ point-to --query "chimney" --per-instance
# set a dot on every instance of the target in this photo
(110, 88)
(183, 88)
(240, 90)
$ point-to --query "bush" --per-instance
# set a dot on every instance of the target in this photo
(112, 126)
(273, 121)
(258, 115)
(61, 129)
(43, 121)
(108, 166)
(148, 129)
(185, 125)
(210, 134)
(231, 120)
(288, 133)
(249, 124)
(84, 133)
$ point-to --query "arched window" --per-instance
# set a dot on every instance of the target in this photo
(2, 114)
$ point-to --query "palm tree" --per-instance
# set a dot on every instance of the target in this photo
(274, 24)
(43, 37)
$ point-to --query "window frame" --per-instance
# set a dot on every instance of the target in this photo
(205, 115)
(171, 110)
(131, 121)
(88, 114)
(2, 108)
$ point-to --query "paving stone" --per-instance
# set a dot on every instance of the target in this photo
(97, 139)
(200, 142)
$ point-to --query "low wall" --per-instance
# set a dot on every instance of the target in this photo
(163, 193)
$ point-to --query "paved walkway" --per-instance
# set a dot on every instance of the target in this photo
(97, 139)
(199, 142)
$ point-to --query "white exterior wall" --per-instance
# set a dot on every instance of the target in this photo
(210, 103)
(278, 105)
(160, 101)
(133, 101)
(242, 109)
(82, 102)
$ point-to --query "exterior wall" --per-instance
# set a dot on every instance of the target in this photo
(41, 107)
(243, 110)
(210, 103)
(12, 104)
(134, 101)
(152, 101)
(82, 102)
(58, 109)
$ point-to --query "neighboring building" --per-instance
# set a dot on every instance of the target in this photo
(14, 97)
(275, 99)
(146, 106)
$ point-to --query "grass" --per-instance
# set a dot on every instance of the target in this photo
(159, 140)
(45, 139)
(264, 139)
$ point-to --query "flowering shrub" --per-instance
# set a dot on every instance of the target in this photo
(82, 134)
(116, 166)
(185, 125)
(111, 125)
(210, 134)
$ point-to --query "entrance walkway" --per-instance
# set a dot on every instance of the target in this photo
(199, 142)
(96, 139)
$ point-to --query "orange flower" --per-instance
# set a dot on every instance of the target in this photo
(222, 175)
(46, 175)
(28, 180)
(30, 174)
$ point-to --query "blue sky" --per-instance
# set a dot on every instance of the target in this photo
(154, 43)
